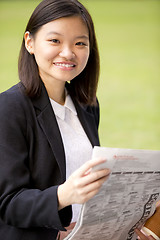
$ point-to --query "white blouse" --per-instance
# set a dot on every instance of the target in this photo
(77, 146)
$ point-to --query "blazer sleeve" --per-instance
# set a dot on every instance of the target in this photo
(20, 205)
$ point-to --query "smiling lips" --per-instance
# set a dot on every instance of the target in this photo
(65, 65)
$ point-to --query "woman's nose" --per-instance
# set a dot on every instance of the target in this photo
(67, 53)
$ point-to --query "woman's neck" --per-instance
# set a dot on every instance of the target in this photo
(56, 92)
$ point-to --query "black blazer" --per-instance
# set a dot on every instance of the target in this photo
(32, 165)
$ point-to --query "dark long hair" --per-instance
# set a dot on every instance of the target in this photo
(83, 87)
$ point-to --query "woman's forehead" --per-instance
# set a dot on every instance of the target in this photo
(73, 25)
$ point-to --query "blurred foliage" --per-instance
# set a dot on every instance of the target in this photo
(128, 33)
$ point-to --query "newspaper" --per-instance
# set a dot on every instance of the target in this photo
(126, 200)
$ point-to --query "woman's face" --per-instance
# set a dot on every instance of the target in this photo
(61, 49)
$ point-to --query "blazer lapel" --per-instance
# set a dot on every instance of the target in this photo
(88, 122)
(48, 123)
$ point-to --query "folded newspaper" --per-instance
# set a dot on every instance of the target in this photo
(126, 200)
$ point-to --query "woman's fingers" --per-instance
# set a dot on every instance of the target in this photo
(90, 190)
(88, 165)
(94, 186)
(84, 175)
(84, 190)
(92, 177)
(142, 236)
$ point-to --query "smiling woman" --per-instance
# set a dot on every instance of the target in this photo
(83, 86)
(60, 56)
(47, 146)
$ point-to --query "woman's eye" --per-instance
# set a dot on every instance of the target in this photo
(55, 40)
(80, 44)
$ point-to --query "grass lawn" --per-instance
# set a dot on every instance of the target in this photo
(128, 33)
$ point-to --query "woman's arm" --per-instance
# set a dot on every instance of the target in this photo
(21, 203)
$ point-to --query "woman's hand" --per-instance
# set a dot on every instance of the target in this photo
(83, 184)
(142, 236)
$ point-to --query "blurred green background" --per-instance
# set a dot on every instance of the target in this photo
(128, 34)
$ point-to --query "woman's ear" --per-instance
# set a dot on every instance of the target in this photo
(28, 42)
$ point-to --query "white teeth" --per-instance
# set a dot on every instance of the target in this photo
(64, 65)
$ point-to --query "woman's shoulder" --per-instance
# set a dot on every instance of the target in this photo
(13, 92)
(13, 99)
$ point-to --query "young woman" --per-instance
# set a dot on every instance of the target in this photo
(49, 125)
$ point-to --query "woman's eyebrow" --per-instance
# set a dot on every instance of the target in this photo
(83, 36)
(56, 33)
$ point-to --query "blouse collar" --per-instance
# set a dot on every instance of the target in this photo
(60, 110)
